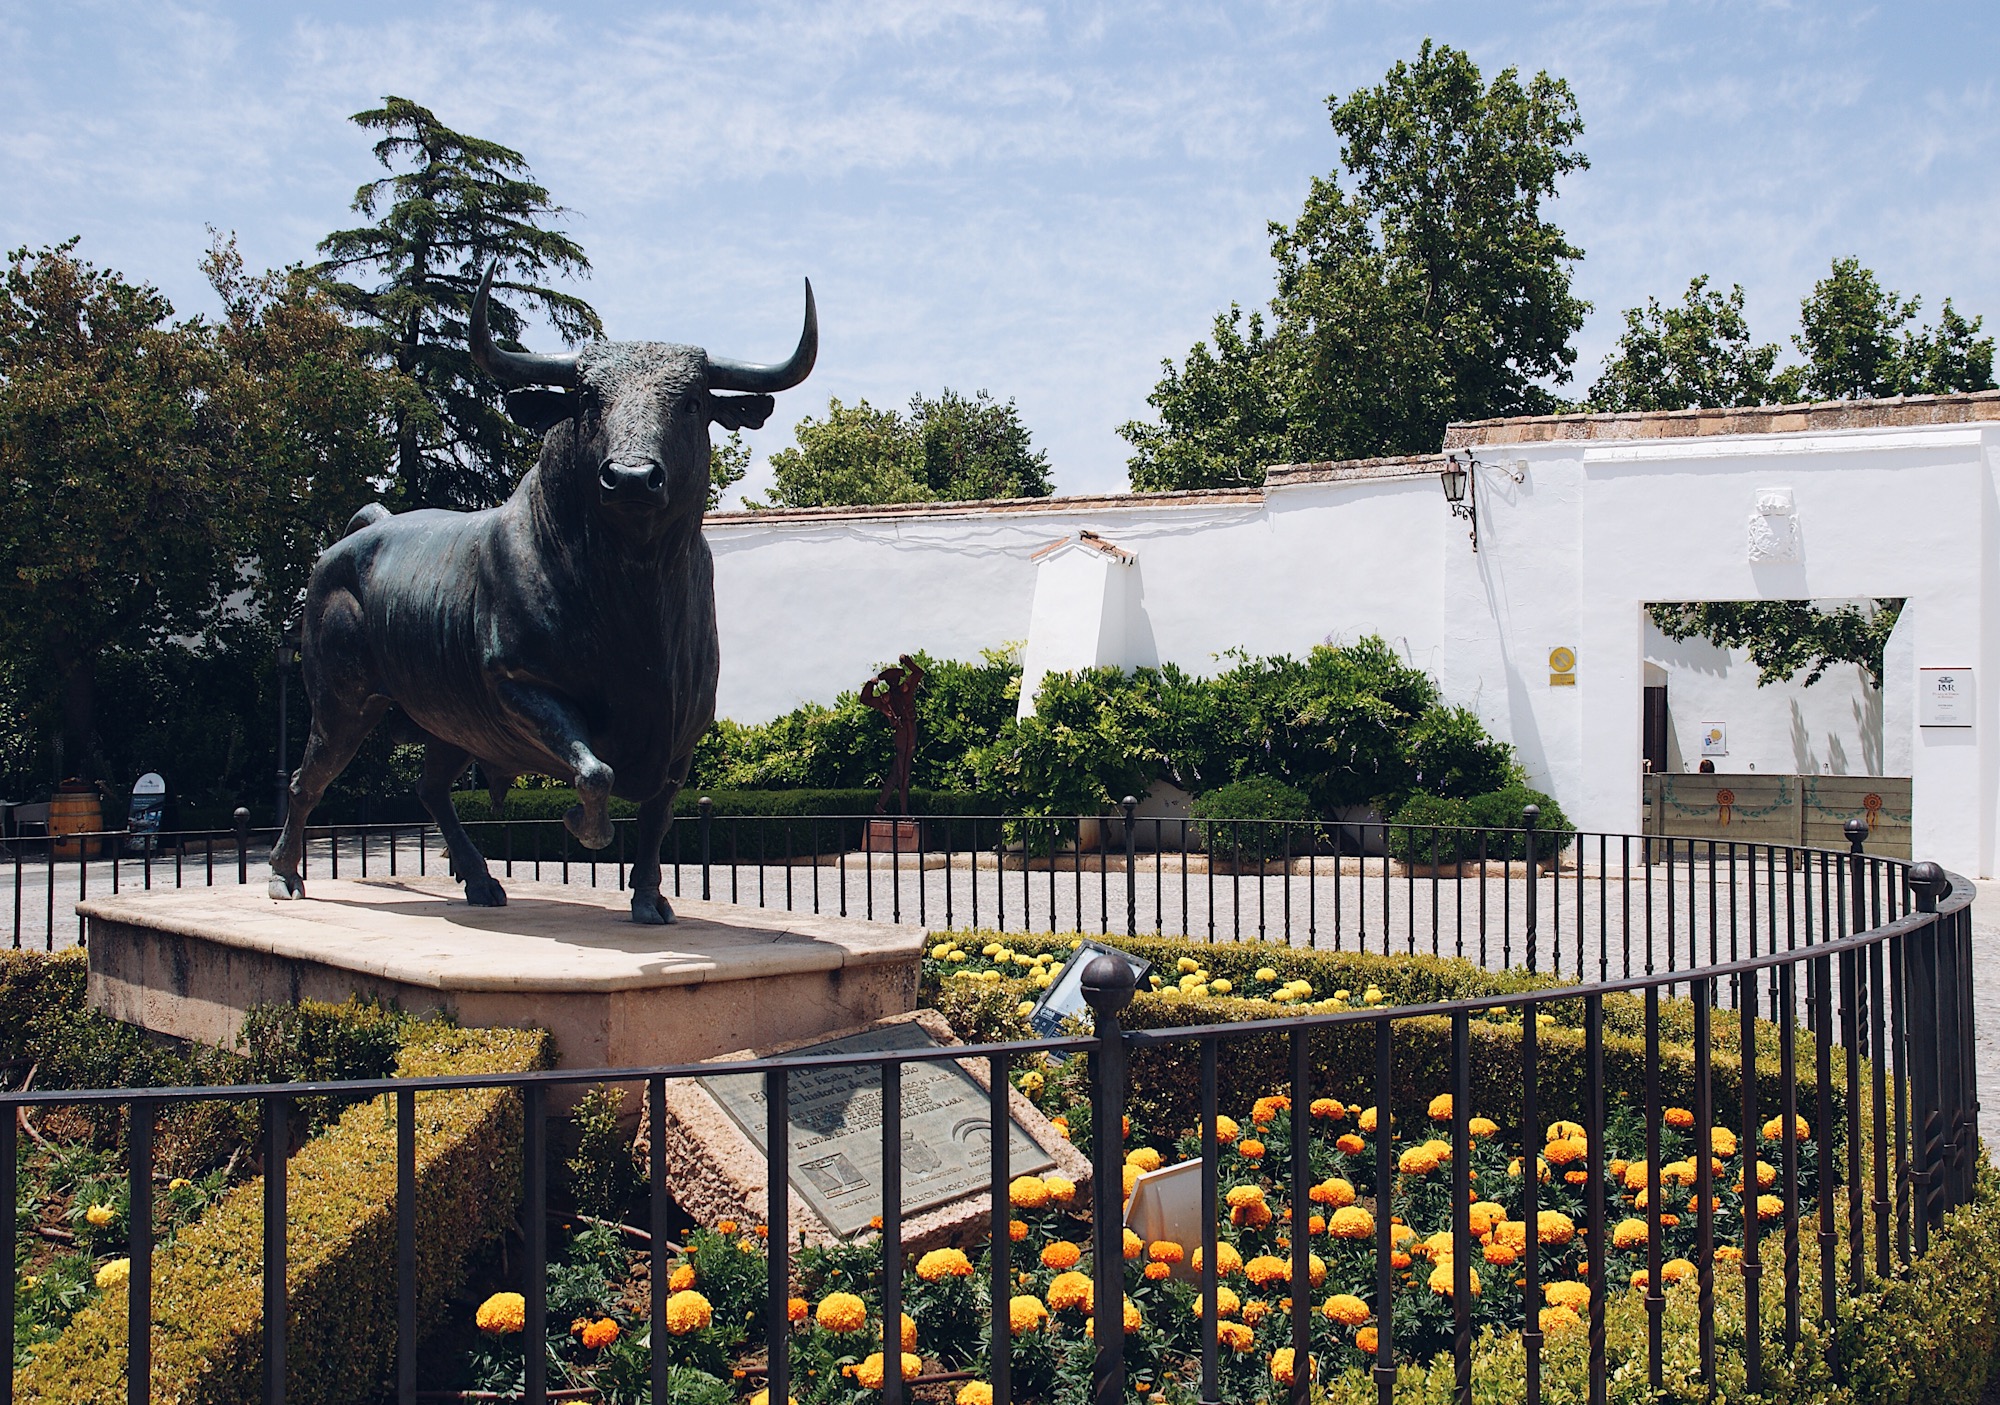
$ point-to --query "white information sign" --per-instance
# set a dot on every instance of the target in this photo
(1944, 697)
(1714, 739)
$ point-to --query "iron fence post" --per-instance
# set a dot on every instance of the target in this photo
(1107, 989)
(242, 818)
(1529, 815)
(1131, 804)
(705, 809)
(1928, 1154)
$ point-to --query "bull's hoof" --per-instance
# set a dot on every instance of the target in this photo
(284, 887)
(652, 910)
(484, 890)
(591, 831)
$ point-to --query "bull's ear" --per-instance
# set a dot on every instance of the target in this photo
(741, 411)
(538, 411)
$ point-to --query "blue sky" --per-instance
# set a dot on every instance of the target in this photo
(1041, 200)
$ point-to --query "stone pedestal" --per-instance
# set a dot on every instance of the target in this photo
(189, 962)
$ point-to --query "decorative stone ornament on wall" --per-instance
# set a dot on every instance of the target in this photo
(1774, 527)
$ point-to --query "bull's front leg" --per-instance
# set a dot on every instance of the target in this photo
(649, 903)
(560, 729)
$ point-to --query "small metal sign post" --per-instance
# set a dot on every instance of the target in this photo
(144, 815)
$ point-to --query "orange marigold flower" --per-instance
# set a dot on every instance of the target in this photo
(1227, 1260)
(725, 1227)
(1235, 1336)
(1366, 1342)
(1367, 1120)
(1440, 1109)
(1251, 1148)
(1155, 1272)
(601, 1333)
(1333, 1191)
(944, 1263)
(1630, 1233)
(1417, 1161)
(1061, 1255)
(1676, 1270)
(1566, 1151)
(1029, 1192)
(1775, 1128)
(1266, 1109)
(870, 1372)
(503, 1314)
(1558, 1319)
(1070, 1290)
(842, 1312)
(1062, 1190)
(1575, 1296)
(1328, 1109)
(1251, 1216)
(1227, 1304)
(681, 1279)
(1266, 1269)
(1017, 1230)
(1679, 1118)
(1350, 1144)
(1499, 1255)
(1444, 1276)
(1281, 1366)
(1146, 1158)
(1555, 1227)
(1226, 1129)
(1770, 1207)
(687, 1312)
(1561, 1130)
(1165, 1251)
(1255, 1311)
(1346, 1309)
(797, 1309)
(1351, 1222)
(1482, 1127)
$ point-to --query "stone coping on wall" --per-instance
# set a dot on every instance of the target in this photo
(1901, 412)
(995, 507)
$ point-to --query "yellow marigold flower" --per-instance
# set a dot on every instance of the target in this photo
(1641, 1278)
(909, 1332)
(974, 1393)
(1266, 974)
(1227, 1260)
(1443, 1276)
(1637, 1175)
(179, 1183)
(1770, 1207)
(1575, 1296)
(117, 1272)
(687, 1312)
(601, 1333)
(100, 1215)
(1350, 1144)
(1234, 1336)
(1334, 1191)
(1365, 1341)
(1767, 1175)
(1346, 1309)
(1481, 1127)
(1417, 1161)
(1679, 1118)
(1617, 1166)
(502, 1314)
(841, 1312)
(1560, 1131)
(1281, 1366)
(1367, 1120)
(1328, 1109)
(1676, 1270)
(1061, 1124)
(1351, 1222)
(1070, 1290)
(746, 1245)
(1135, 1247)
(1555, 1227)
(763, 1397)
(1024, 1009)
(1165, 1251)
(1775, 1128)
(1061, 1255)
(1440, 1108)
(1131, 1178)
(1255, 1311)
(1728, 1253)
(1483, 1215)
(1032, 1081)
(1145, 1158)
(1630, 1233)
(870, 1372)
(1721, 1141)
(1025, 1313)
(1244, 1195)
(681, 1278)
(1062, 1189)
(944, 1263)
(1266, 1269)
(1155, 1272)
(1226, 1129)
(1253, 1216)
(1439, 1148)
(1558, 1319)
(1566, 1152)
(1227, 1304)
(1500, 1255)
(1029, 1192)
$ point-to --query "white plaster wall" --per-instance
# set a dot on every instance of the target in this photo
(1568, 555)
(1080, 618)
(1831, 727)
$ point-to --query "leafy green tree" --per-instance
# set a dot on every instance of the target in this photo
(949, 449)
(727, 463)
(1681, 358)
(1862, 341)
(1784, 637)
(460, 204)
(974, 448)
(1426, 287)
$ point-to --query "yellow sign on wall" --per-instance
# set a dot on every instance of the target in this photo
(1562, 667)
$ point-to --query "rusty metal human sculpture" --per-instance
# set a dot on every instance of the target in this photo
(569, 631)
(893, 693)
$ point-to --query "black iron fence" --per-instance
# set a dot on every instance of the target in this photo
(1592, 906)
(1875, 955)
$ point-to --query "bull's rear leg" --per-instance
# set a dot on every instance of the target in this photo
(561, 730)
(649, 904)
(443, 764)
(329, 747)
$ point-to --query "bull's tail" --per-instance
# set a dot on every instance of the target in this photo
(367, 517)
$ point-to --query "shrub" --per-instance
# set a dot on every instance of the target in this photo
(1257, 798)
(341, 1243)
(1442, 830)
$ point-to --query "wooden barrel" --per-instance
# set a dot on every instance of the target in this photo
(70, 813)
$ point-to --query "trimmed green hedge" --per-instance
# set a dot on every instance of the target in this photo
(751, 824)
(341, 1271)
(1165, 1082)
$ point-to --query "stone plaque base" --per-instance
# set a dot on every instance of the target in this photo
(892, 837)
(718, 1168)
(189, 962)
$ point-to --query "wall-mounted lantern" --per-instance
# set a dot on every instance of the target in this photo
(1460, 492)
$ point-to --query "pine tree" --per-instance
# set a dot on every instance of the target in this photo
(460, 204)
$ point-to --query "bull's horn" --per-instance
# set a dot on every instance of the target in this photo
(514, 368)
(724, 374)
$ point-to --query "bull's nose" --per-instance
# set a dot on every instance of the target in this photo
(645, 478)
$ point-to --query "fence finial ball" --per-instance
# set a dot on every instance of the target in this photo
(1107, 984)
(1856, 831)
(1929, 881)
(1529, 814)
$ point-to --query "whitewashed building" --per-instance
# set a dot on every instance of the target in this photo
(1581, 522)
